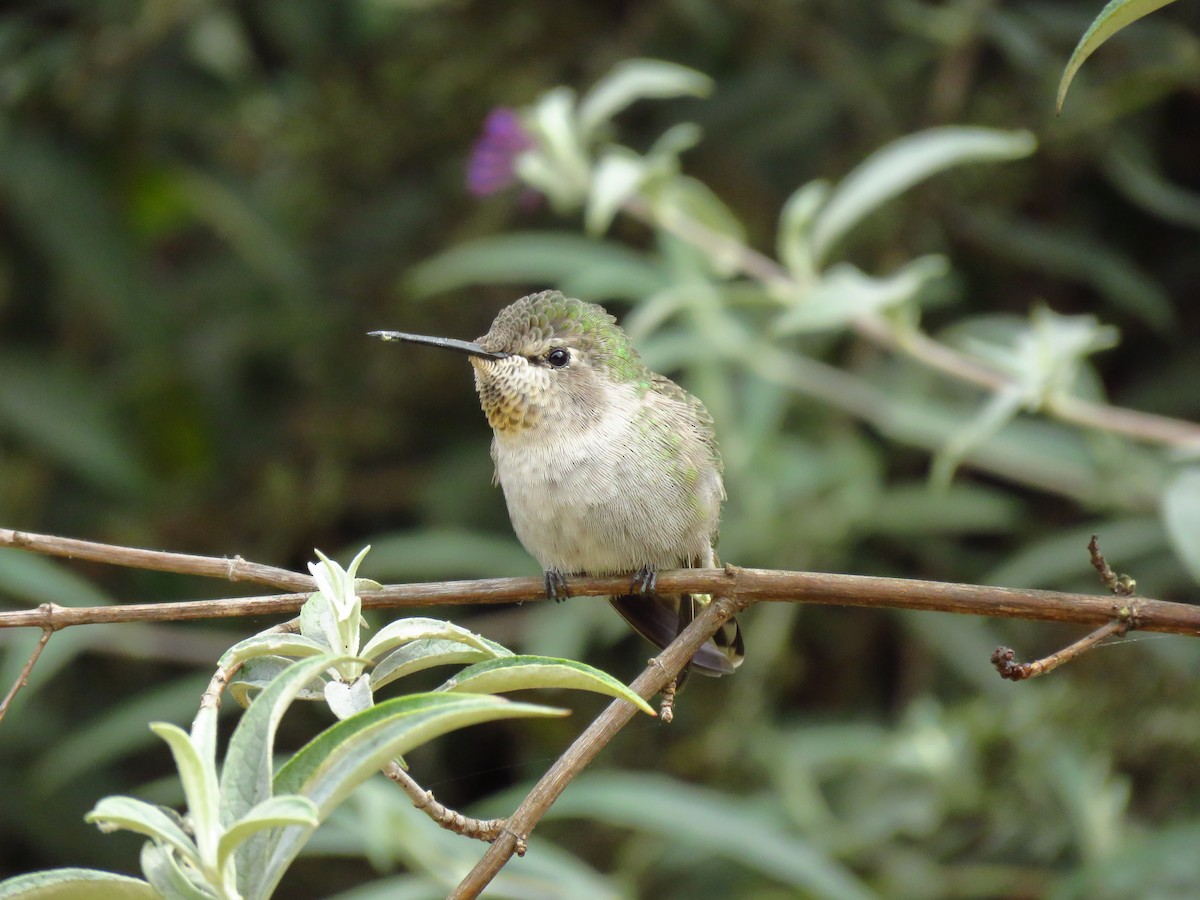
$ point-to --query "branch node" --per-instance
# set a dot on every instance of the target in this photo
(520, 843)
(1002, 659)
(666, 709)
(233, 563)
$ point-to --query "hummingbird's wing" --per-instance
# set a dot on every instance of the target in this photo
(660, 617)
(704, 422)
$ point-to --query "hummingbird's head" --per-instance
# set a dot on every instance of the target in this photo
(546, 358)
(552, 357)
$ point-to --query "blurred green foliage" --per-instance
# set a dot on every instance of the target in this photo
(203, 208)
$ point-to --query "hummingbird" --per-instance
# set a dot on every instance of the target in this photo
(606, 467)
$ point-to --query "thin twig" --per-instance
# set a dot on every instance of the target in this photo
(663, 669)
(1121, 585)
(1002, 657)
(230, 569)
(23, 677)
(452, 820)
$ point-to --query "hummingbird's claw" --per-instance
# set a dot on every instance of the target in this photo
(556, 585)
(644, 580)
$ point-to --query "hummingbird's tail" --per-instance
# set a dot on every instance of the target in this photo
(661, 617)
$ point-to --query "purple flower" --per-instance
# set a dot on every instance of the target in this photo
(490, 168)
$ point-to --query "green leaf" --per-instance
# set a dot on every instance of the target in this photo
(274, 644)
(637, 79)
(896, 167)
(330, 766)
(1181, 514)
(569, 261)
(689, 202)
(795, 227)
(517, 673)
(996, 412)
(1115, 16)
(419, 628)
(75, 884)
(246, 775)
(425, 654)
(198, 775)
(347, 698)
(248, 770)
(680, 137)
(559, 167)
(844, 293)
(615, 179)
(163, 870)
(276, 812)
(259, 671)
(139, 816)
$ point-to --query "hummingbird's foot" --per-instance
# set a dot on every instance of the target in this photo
(644, 579)
(556, 585)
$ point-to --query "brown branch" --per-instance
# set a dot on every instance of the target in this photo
(749, 584)
(1002, 657)
(452, 820)
(230, 569)
(661, 671)
(23, 677)
(1128, 617)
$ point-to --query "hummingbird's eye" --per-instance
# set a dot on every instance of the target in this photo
(558, 357)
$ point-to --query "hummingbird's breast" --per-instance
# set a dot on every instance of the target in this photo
(632, 484)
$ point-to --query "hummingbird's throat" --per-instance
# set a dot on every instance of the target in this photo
(508, 392)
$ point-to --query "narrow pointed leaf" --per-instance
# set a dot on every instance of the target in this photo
(795, 225)
(75, 884)
(277, 812)
(247, 771)
(637, 79)
(163, 871)
(198, 776)
(896, 167)
(1115, 16)
(259, 671)
(293, 645)
(249, 766)
(615, 179)
(517, 673)
(419, 628)
(139, 816)
(425, 654)
(844, 293)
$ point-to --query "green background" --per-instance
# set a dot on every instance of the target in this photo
(205, 206)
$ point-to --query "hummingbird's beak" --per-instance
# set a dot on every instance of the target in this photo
(468, 347)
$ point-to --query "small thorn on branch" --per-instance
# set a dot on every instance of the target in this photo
(1121, 585)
